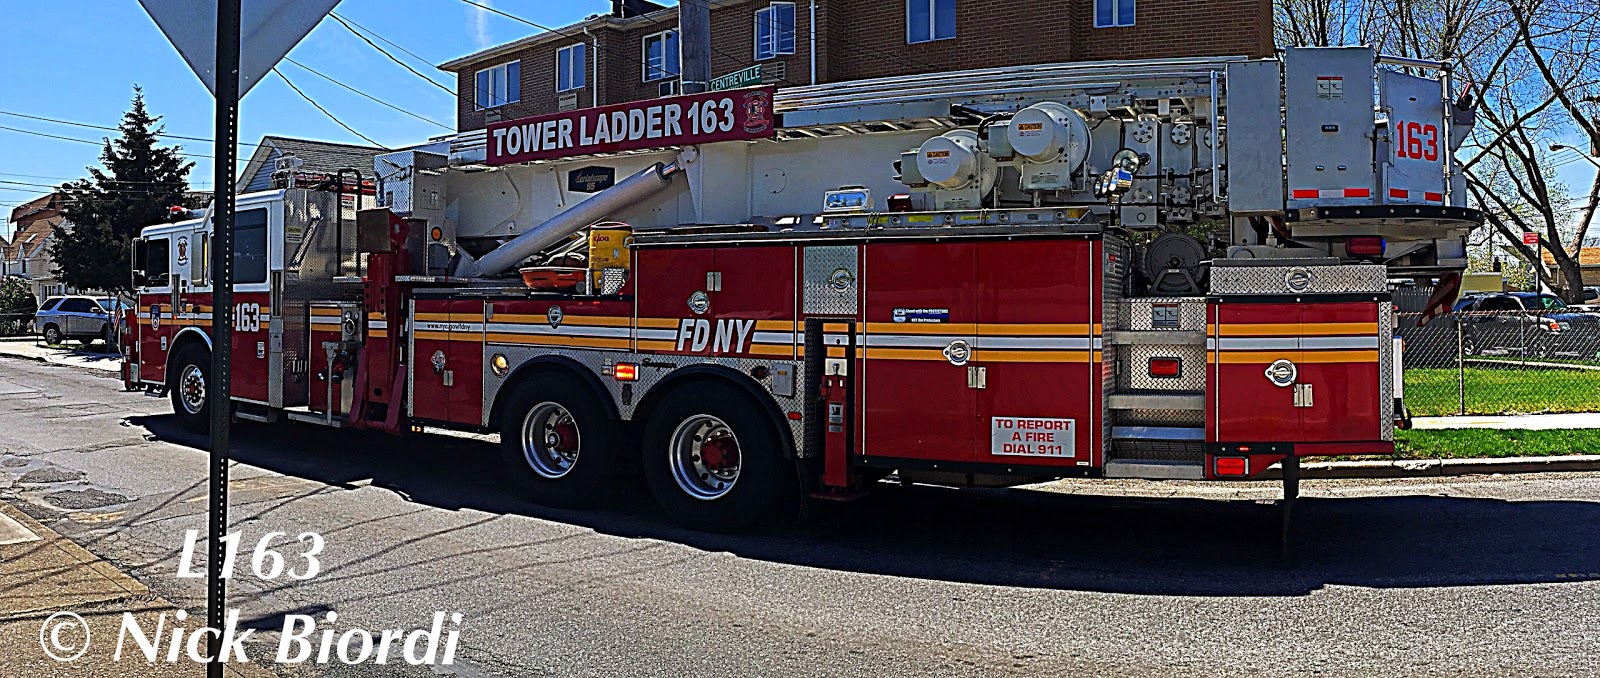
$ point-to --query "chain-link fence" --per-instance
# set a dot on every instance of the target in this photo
(1488, 359)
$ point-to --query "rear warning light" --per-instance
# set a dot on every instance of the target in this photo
(626, 372)
(1231, 466)
(1366, 246)
(1166, 368)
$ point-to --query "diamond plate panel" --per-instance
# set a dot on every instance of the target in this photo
(1161, 418)
(1139, 313)
(830, 282)
(1136, 374)
(1316, 279)
(1164, 450)
(1386, 360)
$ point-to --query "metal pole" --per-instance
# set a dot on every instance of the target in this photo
(1461, 368)
(694, 45)
(220, 395)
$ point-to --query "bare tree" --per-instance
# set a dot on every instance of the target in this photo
(1531, 69)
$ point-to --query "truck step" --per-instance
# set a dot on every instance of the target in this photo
(303, 414)
(1197, 433)
(1157, 400)
(1162, 469)
(1154, 338)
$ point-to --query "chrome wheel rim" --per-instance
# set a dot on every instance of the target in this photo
(52, 336)
(192, 389)
(550, 440)
(705, 457)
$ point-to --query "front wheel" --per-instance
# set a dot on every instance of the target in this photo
(713, 459)
(558, 442)
(52, 335)
(188, 386)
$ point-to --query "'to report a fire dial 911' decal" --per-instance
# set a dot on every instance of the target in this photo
(1032, 437)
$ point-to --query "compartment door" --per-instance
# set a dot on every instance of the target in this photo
(1255, 362)
(433, 359)
(1036, 353)
(919, 330)
(1340, 375)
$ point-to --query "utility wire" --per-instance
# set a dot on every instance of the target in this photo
(110, 129)
(93, 143)
(325, 111)
(369, 96)
(379, 36)
(52, 178)
(392, 57)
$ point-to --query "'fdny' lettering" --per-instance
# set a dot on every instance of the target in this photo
(731, 335)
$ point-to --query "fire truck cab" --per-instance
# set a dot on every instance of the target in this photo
(748, 296)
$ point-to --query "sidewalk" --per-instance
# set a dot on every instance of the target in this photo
(78, 356)
(1527, 422)
(42, 573)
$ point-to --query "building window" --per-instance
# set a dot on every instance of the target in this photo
(661, 55)
(1113, 13)
(774, 30)
(929, 20)
(499, 85)
(570, 67)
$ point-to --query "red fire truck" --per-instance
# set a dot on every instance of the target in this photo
(751, 296)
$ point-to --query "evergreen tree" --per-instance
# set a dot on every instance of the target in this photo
(138, 186)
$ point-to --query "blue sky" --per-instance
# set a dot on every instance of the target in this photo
(79, 59)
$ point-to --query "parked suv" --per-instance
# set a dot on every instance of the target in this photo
(1526, 323)
(86, 319)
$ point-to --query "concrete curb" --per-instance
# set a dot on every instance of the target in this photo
(1433, 468)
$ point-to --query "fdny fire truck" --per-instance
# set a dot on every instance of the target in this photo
(1151, 269)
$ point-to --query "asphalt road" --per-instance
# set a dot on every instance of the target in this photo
(1467, 576)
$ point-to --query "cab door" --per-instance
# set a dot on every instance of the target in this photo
(155, 313)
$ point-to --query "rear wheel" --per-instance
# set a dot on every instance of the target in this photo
(713, 459)
(559, 443)
(52, 334)
(189, 387)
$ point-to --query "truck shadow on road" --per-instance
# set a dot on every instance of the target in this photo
(1025, 538)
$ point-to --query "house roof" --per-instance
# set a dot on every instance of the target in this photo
(44, 202)
(1587, 256)
(31, 238)
(322, 157)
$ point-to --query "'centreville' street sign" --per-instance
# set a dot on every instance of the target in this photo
(653, 123)
(741, 78)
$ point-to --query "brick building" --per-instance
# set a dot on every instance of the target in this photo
(630, 53)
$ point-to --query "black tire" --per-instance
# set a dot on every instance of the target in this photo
(560, 405)
(1469, 345)
(181, 388)
(52, 334)
(763, 486)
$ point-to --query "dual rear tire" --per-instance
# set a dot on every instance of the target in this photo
(711, 456)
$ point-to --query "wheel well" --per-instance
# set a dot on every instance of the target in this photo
(183, 342)
(687, 377)
(549, 365)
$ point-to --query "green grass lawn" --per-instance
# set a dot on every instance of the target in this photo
(1433, 392)
(1478, 443)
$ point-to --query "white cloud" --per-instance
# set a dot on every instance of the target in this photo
(478, 23)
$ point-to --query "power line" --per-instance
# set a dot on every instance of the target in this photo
(111, 129)
(324, 110)
(92, 143)
(379, 36)
(391, 56)
(54, 178)
(369, 96)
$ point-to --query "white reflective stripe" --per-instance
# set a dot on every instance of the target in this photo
(910, 340)
(378, 324)
(1339, 342)
(660, 335)
(773, 337)
(837, 339)
(1077, 343)
(1291, 343)
(565, 331)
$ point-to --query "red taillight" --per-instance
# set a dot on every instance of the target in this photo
(626, 372)
(1166, 368)
(1231, 466)
(1365, 246)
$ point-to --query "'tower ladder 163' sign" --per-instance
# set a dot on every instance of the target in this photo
(729, 115)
